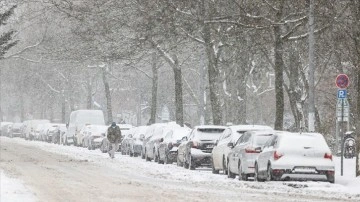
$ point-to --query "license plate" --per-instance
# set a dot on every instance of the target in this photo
(210, 146)
(305, 170)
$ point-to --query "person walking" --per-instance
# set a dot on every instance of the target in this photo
(114, 137)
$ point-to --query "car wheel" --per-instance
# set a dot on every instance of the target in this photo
(131, 154)
(166, 159)
(256, 176)
(269, 173)
(146, 157)
(178, 162)
(142, 155)
(224, 166)
(229, 173)
(242, 175)
(186, 165)
(191, 163)
(156, 157)
(214, 171)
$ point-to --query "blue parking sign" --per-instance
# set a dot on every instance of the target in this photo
(342, 94)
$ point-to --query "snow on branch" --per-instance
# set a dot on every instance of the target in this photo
(235, 23)
(48, 85)
(193, 37)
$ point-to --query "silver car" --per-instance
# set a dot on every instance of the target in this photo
(221, 150)
(241, 159)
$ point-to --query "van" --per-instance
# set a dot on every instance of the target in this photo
(79, 119)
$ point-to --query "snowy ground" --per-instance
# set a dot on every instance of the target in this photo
(14, 190)
(155, 182)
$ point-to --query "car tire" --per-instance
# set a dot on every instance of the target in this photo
(166, 159)
(229, 173)
(185, 164)
(142, 155)
(224, 166)
(242, 175)
(191, 163)
(178, 163)
(156, 157)
(269, 173)
(256, 175)
(146, 157)
(214, 171)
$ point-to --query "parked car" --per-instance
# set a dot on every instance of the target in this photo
(51, 130)
(92, 132)
(4, 128)
(16, 130)
(135, 145)
(79, 119)
(32, 126)
(221, 150)
(241, 159)
(59, 134)
(148, 134)
(295, 156)
(168, 146)
(125, 144)
(195, 150)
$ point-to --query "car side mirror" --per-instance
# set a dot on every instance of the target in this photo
(184, 139)
(161, 139)
(230, 144)
(216, 143)
(258, 149)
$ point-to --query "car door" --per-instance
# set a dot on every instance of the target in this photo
(217, 150)
(266, 153)
(240, 152)
(234, 154)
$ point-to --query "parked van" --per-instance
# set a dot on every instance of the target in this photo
(79, 119)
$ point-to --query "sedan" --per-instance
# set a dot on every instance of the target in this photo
(241, 159)
(231, 135)
(295, 156)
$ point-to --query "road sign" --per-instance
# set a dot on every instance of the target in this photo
(342, 81)
(342, 94)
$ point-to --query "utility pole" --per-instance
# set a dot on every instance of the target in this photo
(311, 118)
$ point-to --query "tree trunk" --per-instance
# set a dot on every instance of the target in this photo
(279, 79)
(179, 112)
(107, 95)
(154, 89)
(357, 132)
(89, 92)
(63, 108)
(1, 113)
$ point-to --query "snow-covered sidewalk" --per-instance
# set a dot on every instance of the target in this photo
(13, 190)
(171, 177)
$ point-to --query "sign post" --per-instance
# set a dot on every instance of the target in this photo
(342, 112)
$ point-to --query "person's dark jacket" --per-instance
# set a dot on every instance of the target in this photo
(114, 134)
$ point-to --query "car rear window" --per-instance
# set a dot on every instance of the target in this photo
(209, 133)
(301, 142)
(260, 140)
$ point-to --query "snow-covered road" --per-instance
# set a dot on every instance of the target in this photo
(62, 173)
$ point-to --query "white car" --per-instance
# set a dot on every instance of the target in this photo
(295, 156)
(92, 132)
(241, 159)
(221, 150)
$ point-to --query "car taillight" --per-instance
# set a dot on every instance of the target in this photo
(277, 155)
(328, 156)
(195, 145)
(251, 150)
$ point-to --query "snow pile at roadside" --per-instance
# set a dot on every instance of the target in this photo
(12, 190)
(345, 187)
